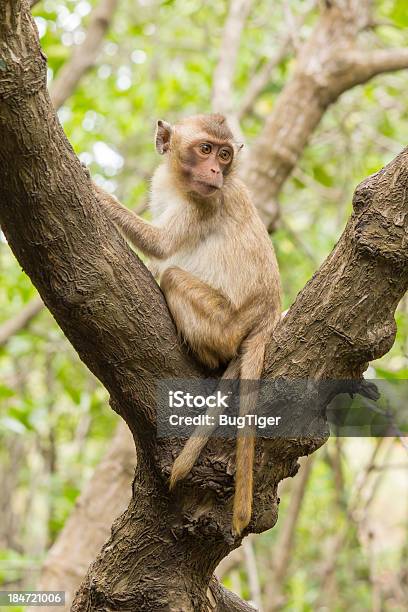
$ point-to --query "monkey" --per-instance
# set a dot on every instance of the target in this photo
(216, 266)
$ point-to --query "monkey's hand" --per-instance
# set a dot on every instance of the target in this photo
(108, 202)
(101, 194)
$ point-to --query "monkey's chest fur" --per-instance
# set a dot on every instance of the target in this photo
(230, 263)
(229, 250)
(208, 262)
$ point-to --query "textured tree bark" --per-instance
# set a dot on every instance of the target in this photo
(328, 64)
(329, 54)
(164, 548)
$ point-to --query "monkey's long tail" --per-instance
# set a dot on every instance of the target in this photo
(253, 353)
(201, 435)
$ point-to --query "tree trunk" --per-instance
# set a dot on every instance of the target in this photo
(164, 548)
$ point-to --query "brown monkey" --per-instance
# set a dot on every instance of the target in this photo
(216, 266)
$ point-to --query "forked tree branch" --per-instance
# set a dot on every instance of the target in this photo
(163, 550)
(302, 102)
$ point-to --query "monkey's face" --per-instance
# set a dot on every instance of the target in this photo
(204, 163)
(201, 152)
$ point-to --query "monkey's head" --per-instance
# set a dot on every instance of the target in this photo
(201, 152)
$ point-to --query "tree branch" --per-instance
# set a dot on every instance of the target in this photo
(84, 55)
(328, 64)
(21, 320)
(341, 320)
(368, 64)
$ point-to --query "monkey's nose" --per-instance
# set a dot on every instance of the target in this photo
(215, 170)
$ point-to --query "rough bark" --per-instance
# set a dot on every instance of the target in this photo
(328, 64)
(164, 548)
(301, 104)
(225, 71)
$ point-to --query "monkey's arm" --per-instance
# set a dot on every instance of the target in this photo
(152, 241)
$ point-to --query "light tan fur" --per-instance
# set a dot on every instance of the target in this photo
(216, 266)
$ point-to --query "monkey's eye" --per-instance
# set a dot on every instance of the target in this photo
(205, 148)
(225, 155)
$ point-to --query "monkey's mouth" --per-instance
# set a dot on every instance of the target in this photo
(204, 188)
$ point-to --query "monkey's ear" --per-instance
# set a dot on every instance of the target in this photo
(163, 135)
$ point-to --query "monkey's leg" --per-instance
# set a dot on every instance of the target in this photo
(204, 316)
(195, 444)
(213, 328)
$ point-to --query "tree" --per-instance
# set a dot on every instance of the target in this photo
(158, 556)
(329, 63)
